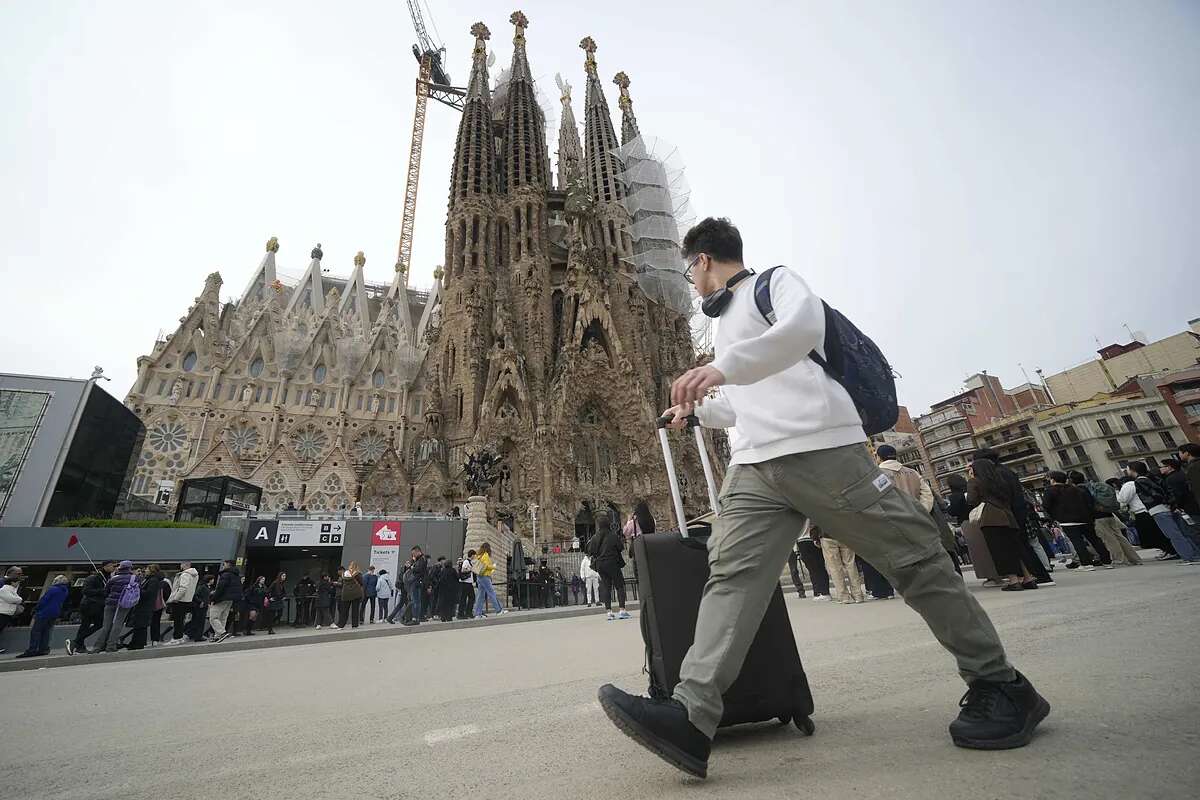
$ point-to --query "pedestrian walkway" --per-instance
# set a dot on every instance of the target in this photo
(290, 637)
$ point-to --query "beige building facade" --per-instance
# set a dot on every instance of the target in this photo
(1107, 374)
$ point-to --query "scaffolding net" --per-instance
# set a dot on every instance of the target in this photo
(657, 201)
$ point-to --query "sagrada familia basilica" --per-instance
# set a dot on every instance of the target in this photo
(549, 339)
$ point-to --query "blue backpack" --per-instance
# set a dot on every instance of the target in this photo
(131, 594)
(854, 361)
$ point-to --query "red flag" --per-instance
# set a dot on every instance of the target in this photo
(74, 540)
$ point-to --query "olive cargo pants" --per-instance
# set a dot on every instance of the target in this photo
(841, 489)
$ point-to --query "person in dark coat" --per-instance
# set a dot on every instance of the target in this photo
(143, 613)
(370, 593)
(1001, 530)
(606, 549)
(45, 614)
(325, 602)
(1021, 512)
(254, 601)
(114, 615)
(276, 594)
(198, 624)
(447, 591)
(350, 600)
(91, 608)
(957, 510)
(225, 597)
(306, 595)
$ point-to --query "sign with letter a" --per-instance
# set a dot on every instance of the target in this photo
(261, 533)
(385, 547)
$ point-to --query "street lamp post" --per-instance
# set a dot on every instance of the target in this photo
(533, 517)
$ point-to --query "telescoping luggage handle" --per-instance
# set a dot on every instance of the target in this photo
(676, 498)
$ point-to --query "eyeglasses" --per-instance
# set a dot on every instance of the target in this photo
(687, 271)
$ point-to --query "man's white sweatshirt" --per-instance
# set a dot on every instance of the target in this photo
(776, 399)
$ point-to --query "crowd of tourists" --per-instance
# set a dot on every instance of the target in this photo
(123, 607)
(1018, 537)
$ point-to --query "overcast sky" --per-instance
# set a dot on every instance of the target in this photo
(977, 184)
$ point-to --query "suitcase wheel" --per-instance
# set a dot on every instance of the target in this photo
(805, 724)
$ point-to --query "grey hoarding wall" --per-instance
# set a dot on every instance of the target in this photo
(33, 468)
(436, 537)
(145, 545)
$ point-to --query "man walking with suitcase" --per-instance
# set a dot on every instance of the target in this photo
(798, 455)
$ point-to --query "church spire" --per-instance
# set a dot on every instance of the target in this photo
(570, 152)
(474, 159)
(525, 157)
(600, 140)
(629, 125)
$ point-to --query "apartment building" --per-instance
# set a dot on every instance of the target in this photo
(1181, 392)
(1013, 440)
(1101, 435)
(1119, 363)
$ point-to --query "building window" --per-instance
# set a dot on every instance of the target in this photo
(188, 391)
(1091, 473)
(1105, 428)
(162, 386)
(1071, 435)
(392, 404)
(377, 379)
(358, 402)
(256, 367)
(1081, 454)
(1189, 409)
(232, 391)
(283, 397)
(1139, 444)
(1167, 439)
(319, 373)
(258, 394)
(1055, 439)
(1155, 419)
(189, 361)
(200, 389)
(1130, 425)
(1115, 447)
(1151, 463)
(1024, 429)
(269, 392)
(1064, 458)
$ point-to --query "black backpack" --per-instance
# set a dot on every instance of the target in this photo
(854, 361)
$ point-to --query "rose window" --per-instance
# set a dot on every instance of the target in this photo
(370, 446)
(167, 437)
(242, 438)
(309, 443)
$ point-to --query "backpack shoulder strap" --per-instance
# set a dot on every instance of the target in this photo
(762, 299)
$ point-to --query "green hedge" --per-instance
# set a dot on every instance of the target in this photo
(92, 522)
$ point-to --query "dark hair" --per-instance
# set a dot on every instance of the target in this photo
(886, 452)
(1191, 448)
(1114, 482)
(470, 553)
(717, 238)
(987, 473)
(1077, 477)
(1173, 463)
(645, 519)
(1139, 467)
(485, 548)
(1057, 476)
(416, 548)
(957, 483)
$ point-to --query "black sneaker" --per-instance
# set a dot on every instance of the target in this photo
(660, 726)
(998, 716)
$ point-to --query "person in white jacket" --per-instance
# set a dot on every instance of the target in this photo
(384, 588)
(181, 600)
(591, 582)
(797, 445)
(10, 601)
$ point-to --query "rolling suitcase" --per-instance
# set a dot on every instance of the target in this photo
(672, 571)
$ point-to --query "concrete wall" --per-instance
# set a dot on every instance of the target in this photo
(142, 545)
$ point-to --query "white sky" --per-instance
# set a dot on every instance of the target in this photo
(976, 184)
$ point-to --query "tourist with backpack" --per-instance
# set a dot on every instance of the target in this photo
(121, 593)
(1106, 523)
(1072, 508)
(466, 586)
(1184, 506)
(1154, 496)
(142, 614)
(803, 388)
(383, 593)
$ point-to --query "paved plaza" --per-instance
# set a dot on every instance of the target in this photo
(509, 710)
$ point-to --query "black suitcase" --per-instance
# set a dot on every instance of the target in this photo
(672, 571)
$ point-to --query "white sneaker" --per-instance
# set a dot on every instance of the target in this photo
(318, 627)
(335, 627)
(1109, 566)
(611, 616)
(820, 597)
(1089, 568)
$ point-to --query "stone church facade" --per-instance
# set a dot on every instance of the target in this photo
(536, 344)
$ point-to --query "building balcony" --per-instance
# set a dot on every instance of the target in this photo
(1187, 396)
(965, 447)
(946, 416)
(1020, 456)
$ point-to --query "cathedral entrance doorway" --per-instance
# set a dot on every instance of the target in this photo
(585, 524)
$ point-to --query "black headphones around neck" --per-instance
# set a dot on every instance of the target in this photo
(715, 304)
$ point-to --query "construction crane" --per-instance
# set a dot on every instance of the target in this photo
(432, 81)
